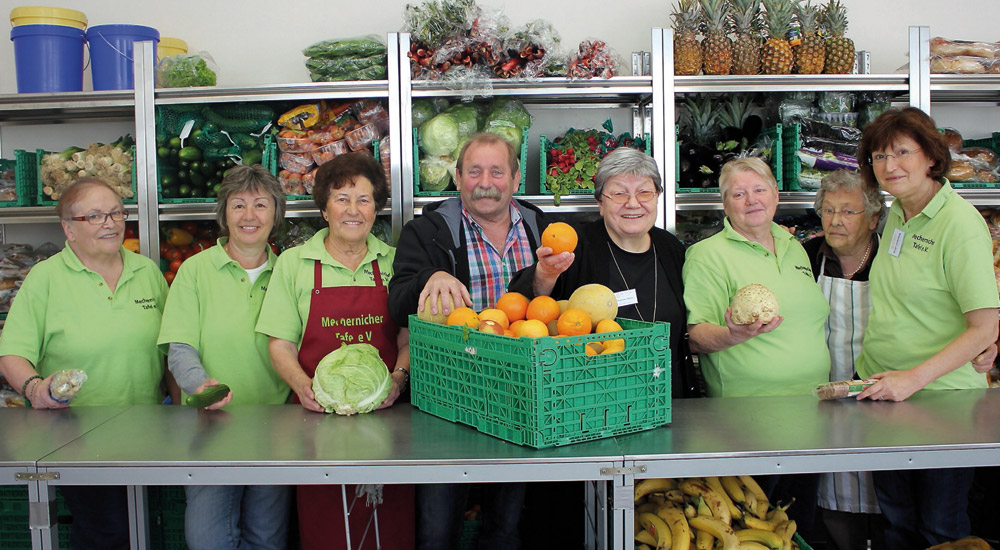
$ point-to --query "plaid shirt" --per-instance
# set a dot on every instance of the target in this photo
(489, 269)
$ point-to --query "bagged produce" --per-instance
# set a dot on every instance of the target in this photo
(362, 58)
(593, 59)
(66, 384)
(362, 46)
(179, 71)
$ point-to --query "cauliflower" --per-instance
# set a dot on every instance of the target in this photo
(752, 303)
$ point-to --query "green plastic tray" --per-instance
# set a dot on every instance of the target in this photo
(24, 166)
(791, 142)
(542, 392)
(44, 199)
(416, 168)
(14, 531)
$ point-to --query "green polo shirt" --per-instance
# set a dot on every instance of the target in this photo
(213, 308)
(790, 360)
(286, 306)
(64, 317)
(944, 269)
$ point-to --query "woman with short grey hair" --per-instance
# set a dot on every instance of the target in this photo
(625, 252)
(209, 337)
(848, 181)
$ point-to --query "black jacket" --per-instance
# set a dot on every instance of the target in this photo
(435, 242)
(593, 258)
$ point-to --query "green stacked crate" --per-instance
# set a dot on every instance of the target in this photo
(791, 142)
(24, 166)
(542, 391)
(417, 192)
(166, 517)
(14, 531)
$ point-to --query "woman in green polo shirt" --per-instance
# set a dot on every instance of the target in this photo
(934, 308)
(208, 328)
(94, 306)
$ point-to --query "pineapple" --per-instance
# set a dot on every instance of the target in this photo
(746, 48)
(687, 51)
(776, 56)
(839, 50)
(701, 118)
(810, 55)
(717, 48)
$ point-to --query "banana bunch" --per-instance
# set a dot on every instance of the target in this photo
(706, 513)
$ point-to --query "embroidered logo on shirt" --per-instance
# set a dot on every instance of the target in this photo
(922, 243)
(146, 303)
(805, 270)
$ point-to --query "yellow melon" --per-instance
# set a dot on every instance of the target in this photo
(440, 317)
(598, 301)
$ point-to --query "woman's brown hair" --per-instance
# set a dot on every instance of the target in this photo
(910, 122)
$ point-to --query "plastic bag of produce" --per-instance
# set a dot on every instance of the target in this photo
(66, 384)
(433, 21)
(184, 70)
(836, 102)
(439, 135)
(421, 111)
(593, 59)
(361, 46)
(436, 173)
(377, 72)
(344, 65)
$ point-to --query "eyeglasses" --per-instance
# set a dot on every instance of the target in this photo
(623, 198)
(99, 218)
(900, 156)
(829, 213)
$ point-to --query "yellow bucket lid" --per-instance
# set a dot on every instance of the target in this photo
(41, 15)
(173, 43)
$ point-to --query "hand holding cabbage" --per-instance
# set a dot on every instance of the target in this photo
(351, 379)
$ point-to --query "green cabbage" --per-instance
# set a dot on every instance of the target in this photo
(469, 119)
(421, 111)
(351, 379)
(436, 173)
(507, 131)
(439, 135)
(510, 110)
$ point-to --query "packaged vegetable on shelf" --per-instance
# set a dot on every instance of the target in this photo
(361, 46)
(325, 153)
(964, 65)
(944, 47)
(8, 185)
(299, 163)
(835, 102)
(593, 59)
(186, 70)
(112, 163)
(361, 137)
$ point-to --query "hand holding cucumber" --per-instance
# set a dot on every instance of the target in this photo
(210, 396)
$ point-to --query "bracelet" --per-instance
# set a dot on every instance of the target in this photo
(406, 379)
(24, 387)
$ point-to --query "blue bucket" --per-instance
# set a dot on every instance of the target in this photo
(48, 58)
(111, 54)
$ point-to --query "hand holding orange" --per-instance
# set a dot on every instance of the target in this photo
(560, 237)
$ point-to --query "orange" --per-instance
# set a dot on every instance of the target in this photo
(610, 325)
(490, 314)
(532, 328)
(543, 308)
(574, 323)
(514, 304)
(464, 316)
(515, 325)
(560, 237)
(510, 333)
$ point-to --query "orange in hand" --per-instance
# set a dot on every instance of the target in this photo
(574, 322)
(514, 304)
(560, 237)
(543, 308)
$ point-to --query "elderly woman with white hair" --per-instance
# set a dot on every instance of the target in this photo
(784, 356)
(625, 252)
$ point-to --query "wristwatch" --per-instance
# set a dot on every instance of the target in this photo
(406, 380)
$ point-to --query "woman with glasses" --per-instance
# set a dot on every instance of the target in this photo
(208, 334)
(934, 308)
(841, 261)
(95, 306)
(624, 252)
(785, 356)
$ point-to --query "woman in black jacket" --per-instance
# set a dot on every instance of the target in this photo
(626, 253)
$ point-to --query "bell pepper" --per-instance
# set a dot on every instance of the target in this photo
(131, 244)
(178, 237)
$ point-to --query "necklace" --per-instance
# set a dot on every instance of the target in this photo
(863, 261)
(627, 286)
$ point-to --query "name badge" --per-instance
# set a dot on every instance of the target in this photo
(626, 297)
(896, 246)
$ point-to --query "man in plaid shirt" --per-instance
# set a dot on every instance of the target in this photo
(468, 247)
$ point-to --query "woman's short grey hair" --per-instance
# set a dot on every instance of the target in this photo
(745, 164)
(846, 180)
(239, 179)
(626, 161)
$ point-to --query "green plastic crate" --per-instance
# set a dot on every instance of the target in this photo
(803, 545)
(542, 392)
(417, 192)
(791, 142)
(14, 531)
(44, 200)
(24, 166)
(776, 133)
(167, 505)
(544, 146)
(992, 143)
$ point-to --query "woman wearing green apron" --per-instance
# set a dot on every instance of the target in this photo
(340, 274)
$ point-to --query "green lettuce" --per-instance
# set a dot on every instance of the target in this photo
(351, 379)
(439, 135)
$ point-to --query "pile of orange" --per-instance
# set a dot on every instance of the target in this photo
(517, 317)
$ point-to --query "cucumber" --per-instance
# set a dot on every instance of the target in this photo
(211, 395)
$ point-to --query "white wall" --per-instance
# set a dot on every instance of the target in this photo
(259, 42)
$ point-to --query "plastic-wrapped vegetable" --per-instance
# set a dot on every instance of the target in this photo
(344, 65)
(439, 135)
(371, 73)
(66, 384)
(435, 20)
(436, 173)
(421, 111)
(468, 118)
(180, 71)
(836, 102)
(361, 46)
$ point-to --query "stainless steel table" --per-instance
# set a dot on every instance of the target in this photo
(29, 435)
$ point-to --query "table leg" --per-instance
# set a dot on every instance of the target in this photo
(138, 517)
(41, 510)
